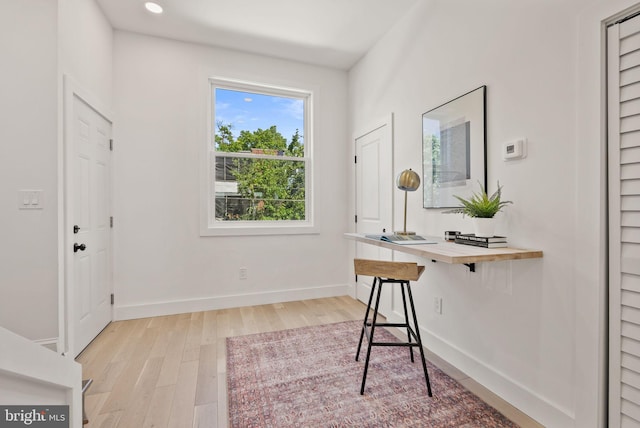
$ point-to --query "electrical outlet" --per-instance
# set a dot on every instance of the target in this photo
(242, 273)
(437, 305)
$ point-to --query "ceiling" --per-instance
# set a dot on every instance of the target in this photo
(334, 33)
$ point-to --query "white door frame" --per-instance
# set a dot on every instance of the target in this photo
(66, 294)
(619, 370)
(387, 123)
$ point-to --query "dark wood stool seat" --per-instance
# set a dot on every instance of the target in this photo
(385, 272)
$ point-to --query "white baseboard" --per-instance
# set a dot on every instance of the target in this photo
(521, 397)
(154, 309)
(351, 291)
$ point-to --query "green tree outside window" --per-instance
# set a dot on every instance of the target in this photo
(267, 189)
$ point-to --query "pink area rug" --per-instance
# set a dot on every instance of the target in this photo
(308, 377)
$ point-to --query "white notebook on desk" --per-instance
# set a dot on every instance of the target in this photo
(402, 239)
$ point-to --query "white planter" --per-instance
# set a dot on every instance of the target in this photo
(484, 227)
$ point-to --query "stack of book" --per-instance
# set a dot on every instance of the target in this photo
(471, 239)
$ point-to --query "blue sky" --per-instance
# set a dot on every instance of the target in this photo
(250, 111)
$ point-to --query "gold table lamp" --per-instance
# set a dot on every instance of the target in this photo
(409, 181)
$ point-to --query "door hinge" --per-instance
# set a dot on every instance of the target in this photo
(112, 298)
(111, 144)
(111, 222)
(356, 216)
(355, 159)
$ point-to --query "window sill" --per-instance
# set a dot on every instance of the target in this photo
(247, 229)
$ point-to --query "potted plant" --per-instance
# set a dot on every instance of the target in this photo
(481, 208)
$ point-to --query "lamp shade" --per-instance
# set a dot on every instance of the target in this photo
(408, 180)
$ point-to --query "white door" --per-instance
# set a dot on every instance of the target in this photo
(623, 64)
(90, 215)
(374, 199)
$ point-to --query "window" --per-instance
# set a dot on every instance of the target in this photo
(259, 160)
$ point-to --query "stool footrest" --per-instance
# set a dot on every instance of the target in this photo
(412, 334)
(404, 344)
(386, 324)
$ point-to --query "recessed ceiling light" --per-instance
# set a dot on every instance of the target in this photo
(153, 7)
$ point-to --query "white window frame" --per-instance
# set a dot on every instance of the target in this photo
(209, 226)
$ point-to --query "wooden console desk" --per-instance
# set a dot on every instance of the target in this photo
(449, 252)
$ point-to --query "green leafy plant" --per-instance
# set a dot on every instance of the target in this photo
(480, 204)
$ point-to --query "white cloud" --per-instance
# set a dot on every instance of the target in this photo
(297, 109)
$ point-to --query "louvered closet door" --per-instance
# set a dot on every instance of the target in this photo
(624, 222)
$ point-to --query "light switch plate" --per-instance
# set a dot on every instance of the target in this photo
(30, 199)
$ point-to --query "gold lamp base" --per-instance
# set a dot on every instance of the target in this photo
(402, 232)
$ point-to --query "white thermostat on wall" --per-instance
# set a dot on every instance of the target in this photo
(515, 150)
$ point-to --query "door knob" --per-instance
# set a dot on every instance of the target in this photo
(80, 247)
(76, 229)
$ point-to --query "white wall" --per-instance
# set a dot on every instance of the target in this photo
(514, 326)
(86, 48)
(40, 40)
(28, 252)
(162, 265)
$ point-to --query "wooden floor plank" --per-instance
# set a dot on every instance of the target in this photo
(194, 338)
(130, 339)
(164, 328)
(105, 380)
(93, 359)
(272, 319)
(183, 407)
(140, 399)
(206, 387)
(235, 323)
(222, 404)
(159, 407)
(123, 387)
(93, 403)
(174, 353)
(206, 416)
(106, 420)
(209, 328)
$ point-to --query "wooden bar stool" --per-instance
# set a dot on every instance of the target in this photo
(390, 273)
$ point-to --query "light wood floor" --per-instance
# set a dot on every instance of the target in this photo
(170, 371)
